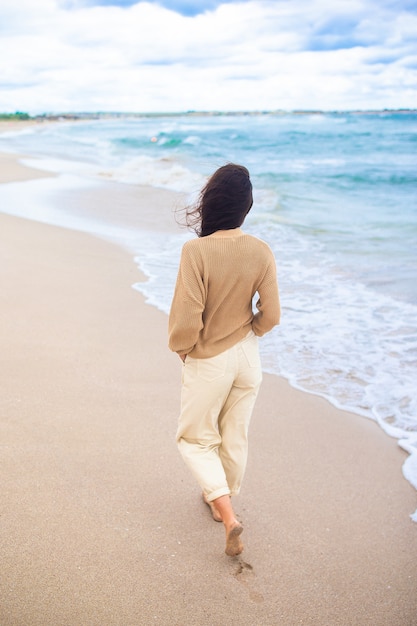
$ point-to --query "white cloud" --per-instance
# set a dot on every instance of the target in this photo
(257, 54)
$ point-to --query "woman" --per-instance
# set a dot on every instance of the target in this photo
(214, 331)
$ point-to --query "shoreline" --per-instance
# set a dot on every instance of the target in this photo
(115, 198)
(69, 116)
(92, 531)
(13, 171)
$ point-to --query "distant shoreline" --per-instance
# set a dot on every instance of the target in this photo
(97, 115)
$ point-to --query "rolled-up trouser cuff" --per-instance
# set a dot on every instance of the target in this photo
(224, 491)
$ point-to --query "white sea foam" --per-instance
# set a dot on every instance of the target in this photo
(164, 172)
(142, 170)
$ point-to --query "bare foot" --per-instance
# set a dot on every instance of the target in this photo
(234, 546)
(214, 512)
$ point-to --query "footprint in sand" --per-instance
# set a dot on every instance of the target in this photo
(246, 576)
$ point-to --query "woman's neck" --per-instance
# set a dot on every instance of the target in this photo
(232, 232)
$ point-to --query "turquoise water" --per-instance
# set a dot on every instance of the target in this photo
(335, 197)
(347, 180)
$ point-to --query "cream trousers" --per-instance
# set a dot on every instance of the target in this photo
(217, 399)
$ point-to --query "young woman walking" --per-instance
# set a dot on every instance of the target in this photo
(214, 330)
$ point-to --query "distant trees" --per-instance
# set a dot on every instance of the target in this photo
(15, 116)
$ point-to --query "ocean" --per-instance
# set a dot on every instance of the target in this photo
(335, 196)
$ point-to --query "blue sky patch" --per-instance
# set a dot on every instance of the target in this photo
(188, 8)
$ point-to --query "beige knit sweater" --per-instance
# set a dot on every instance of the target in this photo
(212, 306)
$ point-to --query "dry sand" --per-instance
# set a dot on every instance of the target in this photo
(101, 524)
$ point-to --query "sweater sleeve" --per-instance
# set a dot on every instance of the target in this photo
(268, 305)
(186, 315)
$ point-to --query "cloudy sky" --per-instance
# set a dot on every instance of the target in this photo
(180, 55)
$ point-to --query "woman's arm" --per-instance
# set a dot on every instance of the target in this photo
(268, 305)
(186, 315)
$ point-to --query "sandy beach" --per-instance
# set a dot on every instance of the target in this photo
(102, 524)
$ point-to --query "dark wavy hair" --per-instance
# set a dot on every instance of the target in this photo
(223, 203)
